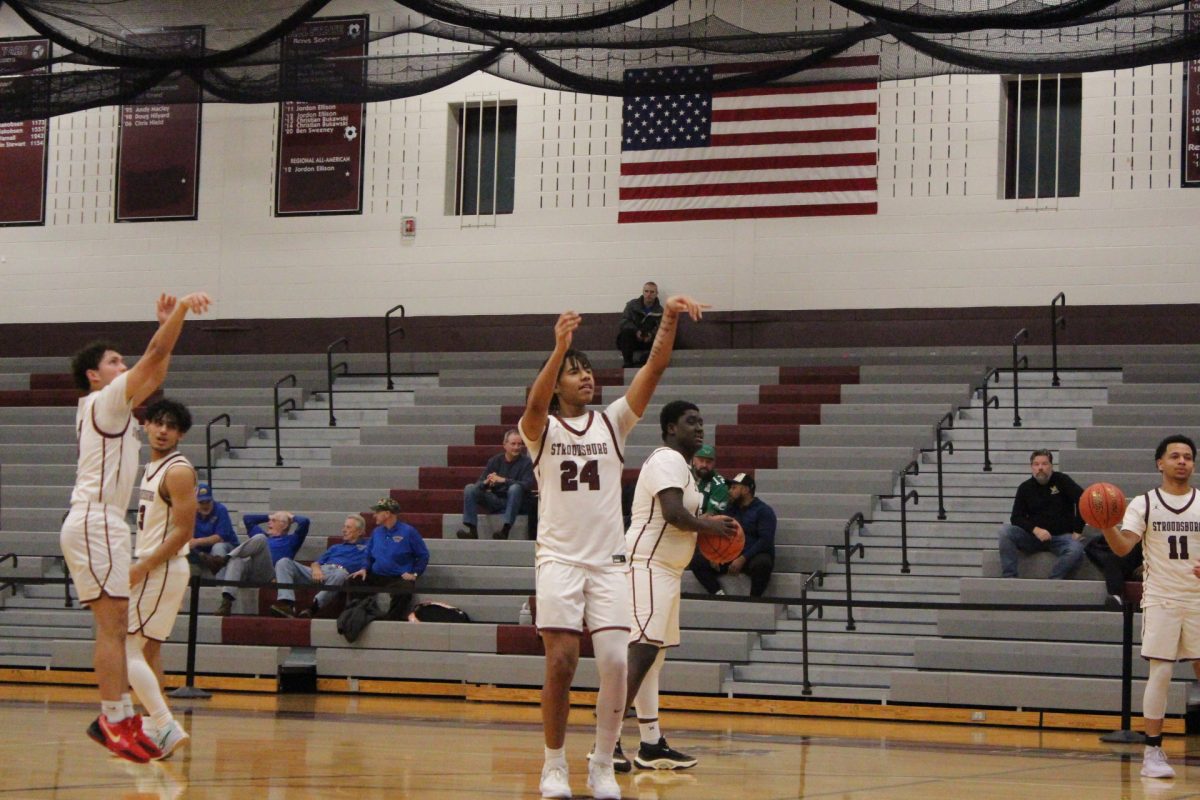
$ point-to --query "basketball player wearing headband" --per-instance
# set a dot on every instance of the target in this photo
(578, 456)
(1167, 523)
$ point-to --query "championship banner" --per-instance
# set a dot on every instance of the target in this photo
(158, 143)
(23, 146)
(1191, 110)
(318, 164)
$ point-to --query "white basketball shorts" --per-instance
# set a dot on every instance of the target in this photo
(654, 595)
(1171, 633)
(570, 597)
(154, 603)
(95, 545)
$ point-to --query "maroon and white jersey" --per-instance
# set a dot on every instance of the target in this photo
(1170, 529)
(651, 539)
(109, 441)
(578, 463)
(155, 522)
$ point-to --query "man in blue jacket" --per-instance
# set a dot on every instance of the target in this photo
(332, 569)
(273, 536)
(757, 559)
(214, 535)
(505, 482)
(396, 557)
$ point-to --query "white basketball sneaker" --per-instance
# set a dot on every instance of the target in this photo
(603, 782)
(170, 739)
(555, 783)
(1154, 764)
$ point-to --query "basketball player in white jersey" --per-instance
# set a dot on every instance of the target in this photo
(159, 578)
(1167, 522)
(95, 536)
(580, 557)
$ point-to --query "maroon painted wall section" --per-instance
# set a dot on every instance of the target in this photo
(1134, 324)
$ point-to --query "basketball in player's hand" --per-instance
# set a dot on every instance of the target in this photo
(1102, 505)
(722, 549)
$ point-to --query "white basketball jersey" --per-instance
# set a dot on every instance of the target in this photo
(154, 511)
(1170, 531)
(108, 447)
(578, 464)
(650, 538)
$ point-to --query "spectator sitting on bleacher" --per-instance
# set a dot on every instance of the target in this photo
(639, 325)
(757, 559)
(505, 482)
(396, 557)
(714, 488)
(332, 569)
(271, 538)
(214, 535)
(1045, 516)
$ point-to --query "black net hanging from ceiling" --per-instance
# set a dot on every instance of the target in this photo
(101, 53)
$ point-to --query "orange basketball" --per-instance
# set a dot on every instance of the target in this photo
(722, 549)
(1102, 505)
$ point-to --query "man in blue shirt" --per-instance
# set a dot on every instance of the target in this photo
(757, 559)
(332, 569)
(396, 557)
(505, 482)
(214, 535)
(272, 537)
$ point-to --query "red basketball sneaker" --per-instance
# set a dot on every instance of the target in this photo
(134, 724)
(117, 739)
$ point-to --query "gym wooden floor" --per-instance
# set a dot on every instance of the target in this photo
(290, 746)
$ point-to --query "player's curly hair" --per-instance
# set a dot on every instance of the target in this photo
(162, 410)
(89, 358)
(571, 357)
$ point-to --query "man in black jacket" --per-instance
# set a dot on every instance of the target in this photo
(1045, 516)
(504, 484)
(639, 324)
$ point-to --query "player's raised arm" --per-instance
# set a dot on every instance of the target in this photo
(647, 378)
(144, 377)
(537, 405)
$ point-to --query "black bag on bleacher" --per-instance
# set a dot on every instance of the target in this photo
(430, 611)
(357, 616)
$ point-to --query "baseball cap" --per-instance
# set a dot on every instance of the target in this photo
(387, 504)
(744, 480)
(706, 451)
(203, 493)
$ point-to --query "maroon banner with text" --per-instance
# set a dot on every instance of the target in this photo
(158, 144)
(318, 165)
(1191, 109)
(23, 145)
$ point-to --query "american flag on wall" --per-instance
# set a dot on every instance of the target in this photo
(796, 151)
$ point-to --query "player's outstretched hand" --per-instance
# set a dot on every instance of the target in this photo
(682, 303)
(564, 328)
(722, 525)
(196, 302)
(164, 307)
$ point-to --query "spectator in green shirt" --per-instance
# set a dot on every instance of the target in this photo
(711, 485)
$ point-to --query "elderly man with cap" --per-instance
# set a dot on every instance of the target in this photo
(214, 535)
(757, 559)
(709, 482)
(396, 557)
(273, 536)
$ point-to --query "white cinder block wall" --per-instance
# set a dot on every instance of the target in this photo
(942, 238)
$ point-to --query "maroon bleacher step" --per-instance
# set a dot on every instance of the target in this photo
(756, 436)
(52, 380)
(266, 631)
(427, 501)
(39, 397)
(779, 413)
(833, 374)
(523, 640)
(448, 477)
(800, 393)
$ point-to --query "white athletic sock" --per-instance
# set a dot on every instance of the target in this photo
(612, 652)
(646, 702)
(127, 701)
(113, 710)
(556, 756)
(145, 682)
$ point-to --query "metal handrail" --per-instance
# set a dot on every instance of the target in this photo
(1017, 363)
(16, 563)
(943, 445)
(913, 468)
(805, 611)
(209, 444)
(994, 400)
(1056, 322)
(388, 330)
(860, 520)
(329, 370)
(291, 403)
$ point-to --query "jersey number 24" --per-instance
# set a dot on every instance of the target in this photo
(573, 475)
